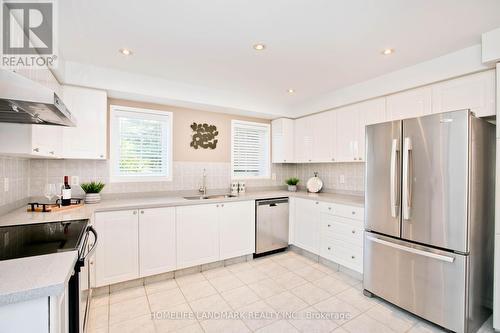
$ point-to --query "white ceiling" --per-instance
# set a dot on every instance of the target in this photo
(313, 46)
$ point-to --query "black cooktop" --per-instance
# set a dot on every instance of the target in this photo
(18, 241)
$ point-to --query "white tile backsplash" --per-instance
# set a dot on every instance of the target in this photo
(29, 177)
(17, 171)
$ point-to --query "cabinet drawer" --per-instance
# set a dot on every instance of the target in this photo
(350, 212)
(343, 253)
(351, 234)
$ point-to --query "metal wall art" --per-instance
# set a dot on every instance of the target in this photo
(204, 136)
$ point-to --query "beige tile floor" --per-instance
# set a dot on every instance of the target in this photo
(284, 282)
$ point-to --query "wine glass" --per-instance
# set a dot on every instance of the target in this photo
(59, 188)
(50, 191)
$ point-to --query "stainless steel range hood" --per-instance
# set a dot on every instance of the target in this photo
(24, 101)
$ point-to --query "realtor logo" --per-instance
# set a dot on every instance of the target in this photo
(27, 33)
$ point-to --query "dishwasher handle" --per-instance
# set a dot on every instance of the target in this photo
(271, 202)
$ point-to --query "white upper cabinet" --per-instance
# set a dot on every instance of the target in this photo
(90, 109)
(323, 135)
(236, 229)
(346, 134)
(283, 140)
(409, 104)
(36, 141)
(157, 242)
(369, 113)
(475, 92)
(303, 140)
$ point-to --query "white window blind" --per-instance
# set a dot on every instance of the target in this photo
(250, 149)
(141, 142)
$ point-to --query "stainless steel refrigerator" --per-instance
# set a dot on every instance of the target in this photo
(429, 217)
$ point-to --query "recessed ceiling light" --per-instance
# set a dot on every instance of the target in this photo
(387, 51)
(259, 47)
(125, 52)
(290, 91)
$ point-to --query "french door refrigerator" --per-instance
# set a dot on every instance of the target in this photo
(429, 217)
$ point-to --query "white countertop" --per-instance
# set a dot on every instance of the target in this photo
(39, 276)
(35, 277)
(21, 216)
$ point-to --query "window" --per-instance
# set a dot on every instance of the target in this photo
(250, 150)
(140, 145)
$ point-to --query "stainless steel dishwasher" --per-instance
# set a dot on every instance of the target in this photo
(271, 225)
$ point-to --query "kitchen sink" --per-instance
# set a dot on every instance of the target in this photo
(215, 196)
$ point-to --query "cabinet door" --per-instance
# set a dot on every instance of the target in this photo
(475, 92)
(197, 235)
(236, 229)
(346, 134)
(90, 109)
(156, 241)
(306, 225)
(323, 136)
(303, 140)
(117, 247)
(48, 139)
(369, 112)
(409, 104)
(283, 140)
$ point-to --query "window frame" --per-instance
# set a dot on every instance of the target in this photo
(114, 143)
(268, 142)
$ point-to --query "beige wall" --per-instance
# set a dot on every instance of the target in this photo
(183, 118)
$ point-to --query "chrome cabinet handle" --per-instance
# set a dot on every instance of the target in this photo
(36, 150)
(217, 206)
(317, 203)
(353, 257)
(407, 175)
(353, 213)
(329, 225)
(354, 231)
(101, 156)
(329, 248)
(355, 159)
(51, 152)
(329, 208)
(135, 212)
(394, 177)
(222, 205)
(412, 250)
(142, 212)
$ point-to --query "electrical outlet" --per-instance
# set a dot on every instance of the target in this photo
(75, 180)
(6, 184)
(273, 176)
(342, 179)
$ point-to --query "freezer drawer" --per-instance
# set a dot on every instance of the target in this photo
(427, 282)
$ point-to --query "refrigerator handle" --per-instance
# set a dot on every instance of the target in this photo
(394, 177)
(407, 175)
(412, 250)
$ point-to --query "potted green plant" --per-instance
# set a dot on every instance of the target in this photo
(292, 184)
(92, 191)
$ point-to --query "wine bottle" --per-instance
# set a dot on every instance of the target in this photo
(66, 193)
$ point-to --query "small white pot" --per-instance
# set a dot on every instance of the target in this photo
(91, 198)
(292, 188)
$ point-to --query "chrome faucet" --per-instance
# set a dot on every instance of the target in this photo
(203, 188)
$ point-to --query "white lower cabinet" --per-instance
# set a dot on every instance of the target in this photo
(197, 235)
(237, 229)
(208, 233)
(157, 244)
(117, 253)
(332, 231)
(306, 224)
